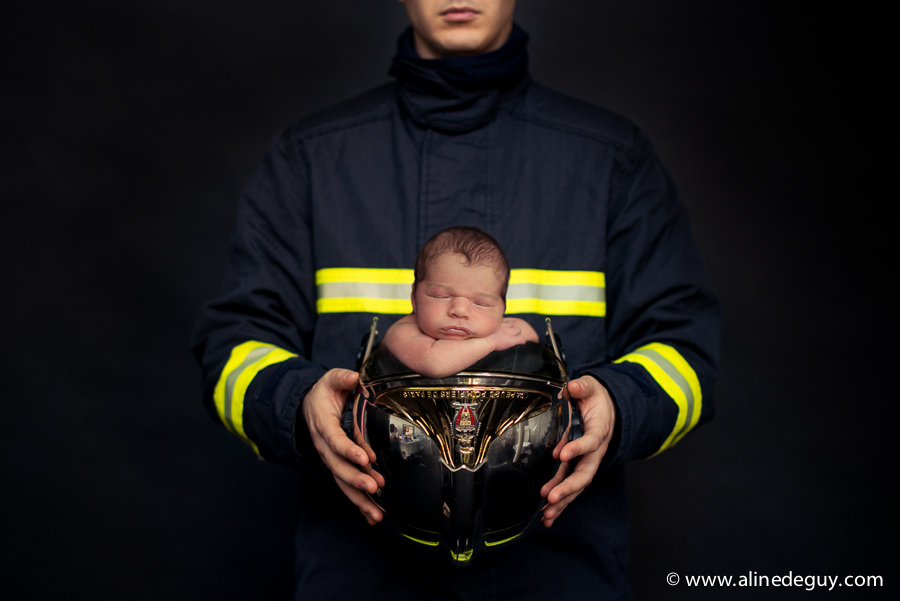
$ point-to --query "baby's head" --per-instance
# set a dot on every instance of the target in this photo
(461, 277)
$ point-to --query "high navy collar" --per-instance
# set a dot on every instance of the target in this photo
(459, 93)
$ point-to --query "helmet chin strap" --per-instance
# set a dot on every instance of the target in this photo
(552, 337)
(365, 349)
(373, 334)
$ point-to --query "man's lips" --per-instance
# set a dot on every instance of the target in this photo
(459, 15)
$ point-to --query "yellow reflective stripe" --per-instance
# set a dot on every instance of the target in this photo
(244, 363)
(547, 292)
(386, 291)
(463, 557)
(420, 541)
(364, 305)
(547, 277)
(364, 290)
(354, 274)
(504, 541)
(550, 307)
(678, 379)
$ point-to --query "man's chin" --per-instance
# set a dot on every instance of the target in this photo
(465, 40)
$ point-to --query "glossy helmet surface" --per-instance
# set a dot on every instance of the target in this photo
(464, 457)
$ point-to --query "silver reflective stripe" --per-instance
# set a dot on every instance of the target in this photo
(558, 293)
(364, 290)
(387, 291)
(679, 380)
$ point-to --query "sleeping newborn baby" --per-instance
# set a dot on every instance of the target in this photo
(459, 300)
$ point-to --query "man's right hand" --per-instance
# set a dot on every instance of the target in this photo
(350, 464)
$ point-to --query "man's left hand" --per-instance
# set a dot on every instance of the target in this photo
(599, 416)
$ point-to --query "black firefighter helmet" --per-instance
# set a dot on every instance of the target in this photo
(464, 457)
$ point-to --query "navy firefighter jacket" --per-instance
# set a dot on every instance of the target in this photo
(597, 239)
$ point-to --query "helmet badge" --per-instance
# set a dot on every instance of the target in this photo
(465, 426)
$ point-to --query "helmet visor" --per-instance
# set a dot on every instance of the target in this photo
(464, 458)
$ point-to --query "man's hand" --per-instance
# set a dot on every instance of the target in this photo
(599, 415)
(349, 463)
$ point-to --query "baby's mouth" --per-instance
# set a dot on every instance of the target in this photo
(455, 331)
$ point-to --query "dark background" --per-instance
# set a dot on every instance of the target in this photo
(129, 129)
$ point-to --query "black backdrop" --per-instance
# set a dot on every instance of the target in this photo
(129, 129)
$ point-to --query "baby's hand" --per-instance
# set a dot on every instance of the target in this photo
(509, 334)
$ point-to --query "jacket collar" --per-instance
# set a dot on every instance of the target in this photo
(461, 93)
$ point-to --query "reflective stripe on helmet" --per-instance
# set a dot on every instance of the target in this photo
(678, 379)
(387, 291)
(427, 543)
(246, 360)
(463, 557)
(503, 541)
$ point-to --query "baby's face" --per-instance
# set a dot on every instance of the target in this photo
(458, 301)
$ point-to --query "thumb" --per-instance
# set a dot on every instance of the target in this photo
(342, 379)
(581, 388)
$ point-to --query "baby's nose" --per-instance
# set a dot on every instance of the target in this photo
(459, 307)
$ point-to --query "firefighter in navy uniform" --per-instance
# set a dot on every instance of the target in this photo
(596, 238)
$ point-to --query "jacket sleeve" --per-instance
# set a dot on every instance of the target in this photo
(662, 314)
(252, 341)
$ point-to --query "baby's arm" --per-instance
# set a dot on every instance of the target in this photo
(434, 358)
(431, 357)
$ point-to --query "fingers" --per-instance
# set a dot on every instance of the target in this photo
(598, 414)
(589, 451)
(344, 459)
(511, 329)
(349, 463)
(367, 448)
(588, 443)
(508, 335)
(584, 453)
(340, 379)
(331, 439)
(557, 478)
(584, 387)
(552, 512)
(560, 493)
(582, 475)
(524, 331)
(366, 506)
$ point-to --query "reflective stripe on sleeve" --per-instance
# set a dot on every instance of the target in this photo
(678, 379)
(387, 291)
(246, 360)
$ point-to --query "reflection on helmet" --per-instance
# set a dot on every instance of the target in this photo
(464, 457)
